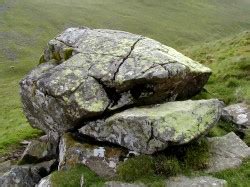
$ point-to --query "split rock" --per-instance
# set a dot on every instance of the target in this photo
(152, 128)
(227, 152)
(85, 72)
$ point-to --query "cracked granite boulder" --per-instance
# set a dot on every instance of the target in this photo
(153, 128)
(85, 72)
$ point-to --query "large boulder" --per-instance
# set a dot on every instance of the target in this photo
(152, 128)
(227, 152)
(87, 72)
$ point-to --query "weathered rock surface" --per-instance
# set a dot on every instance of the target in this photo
(203, 181)
(86, 72)
(103, 160)
(227, 152)
(4, 167)
(20, 177)
(239, 114)
(152, 128)
(38, 151)
(45, 182)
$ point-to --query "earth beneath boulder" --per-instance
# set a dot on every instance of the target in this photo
(85, 73)
(152, 128)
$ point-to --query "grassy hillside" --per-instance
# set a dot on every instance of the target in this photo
(27, 25)
(229, 59)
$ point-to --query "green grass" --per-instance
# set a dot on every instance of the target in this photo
(229, 60)
(72, 177)
(238, 177)
(173, 161)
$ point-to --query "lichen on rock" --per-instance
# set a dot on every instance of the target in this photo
(87, 72)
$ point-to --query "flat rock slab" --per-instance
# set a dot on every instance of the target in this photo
(239, 114)
(85, 72)
(227, 152)
(152, 128)
(203, 181)
(103, 160)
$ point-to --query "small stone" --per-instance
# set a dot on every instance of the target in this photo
(103, 160)
(227, 152)
(202, 181)
(38, 151)
(239, 114)
(20, 176)
(45, 182)
(122, 184)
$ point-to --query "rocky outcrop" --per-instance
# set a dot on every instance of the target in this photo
(239, 114)
(153, 128)
(102, 96)
(227, 152)
(85, 73)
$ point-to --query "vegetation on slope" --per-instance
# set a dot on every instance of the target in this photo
(229, 60)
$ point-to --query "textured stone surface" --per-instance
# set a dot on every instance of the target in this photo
(103, 160)
(4, 167)
(227, 152)
(86, 72)
(151, 128)
(203, 181)
(45, 182)
(20, 177)
(38, 151)
(239, 114)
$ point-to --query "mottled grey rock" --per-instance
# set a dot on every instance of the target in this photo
(4, 167)
(85, 72)
(45, 182)
(38, 151)
(122, 184)
(239, 114)
(44, 168)
(203, 181)
(20, 177)
(227, 152)
(152, 128)
(103, 160)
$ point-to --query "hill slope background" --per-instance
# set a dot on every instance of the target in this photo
(27, 25)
